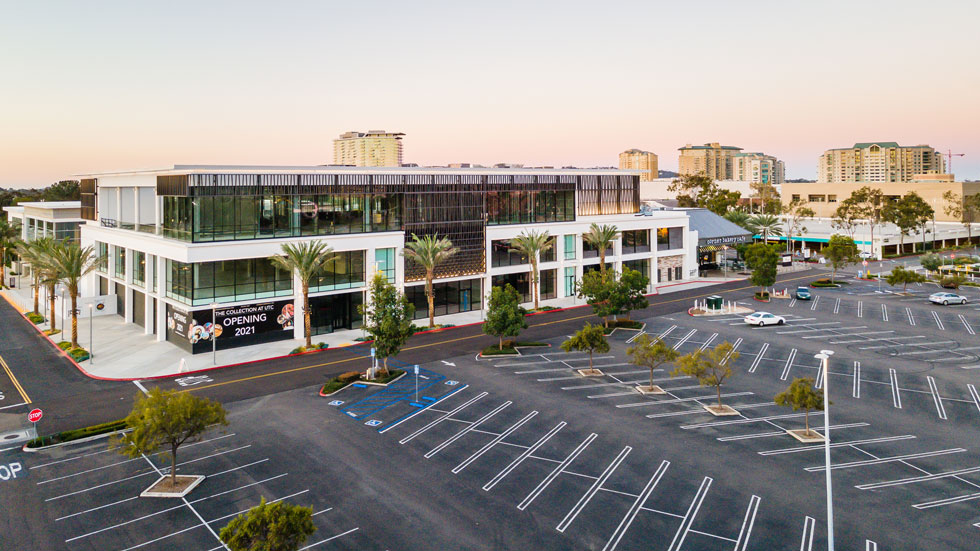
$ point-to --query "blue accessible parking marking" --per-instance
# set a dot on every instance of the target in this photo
(452, 383)
(373, 423)
(337, 403)
(405, 389)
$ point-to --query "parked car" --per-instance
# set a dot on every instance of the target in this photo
(802, 293)
(867, 255)
(946, 298)
(762, 319)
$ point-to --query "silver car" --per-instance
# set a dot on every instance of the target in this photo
(946, 298)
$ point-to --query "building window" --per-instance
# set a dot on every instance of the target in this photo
(570, 281)
(570, 247)
(670, 238)
(102, 250)
(590, 251)
(450, 297)
(521, 282)
(549, 255)
(139, 268)
(385, 259)
(816, 198)
(226, 281)
(346, 271)
(636, 241)
(642, 266)
(501, 254)
(119, 265)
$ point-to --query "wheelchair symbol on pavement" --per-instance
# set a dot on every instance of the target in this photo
(373, 423)
(196, 380)
(452, 383)
(336, 402)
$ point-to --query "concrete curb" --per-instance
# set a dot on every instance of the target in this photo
(404, 373)
(78, 441)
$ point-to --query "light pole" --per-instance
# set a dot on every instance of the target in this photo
(62, 310)
(91, 340)
(824, 357)
(724, 260)
(214, 334)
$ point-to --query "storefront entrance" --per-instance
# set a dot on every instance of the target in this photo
(335, 313)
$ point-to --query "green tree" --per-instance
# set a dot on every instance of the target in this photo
(48, 273)
(908, 213)
(597, 288)
(710, 367)
(931, 261)
(698, 190)
(601, 237)
(65, 190)
(840, 250)
(532, 245)
(846, 217)
(766, 193)
(796, 213)
(765, 225)
(9, 237)
(27, 250)
(963, 208)
(428, 251)
(167, 419)
(71, 263)
(737, 217)
(802, 395)
(629, 293)
(505, 316)
(900, 276)
(387, 318)
(305, 261)
(275, 526)
(651, 353)
(869, 204)
(763, 260)
(591, 339)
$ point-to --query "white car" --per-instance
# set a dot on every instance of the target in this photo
(762, 319)
(946, 298)
(867, 255)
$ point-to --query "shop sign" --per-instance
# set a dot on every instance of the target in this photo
(727, 240)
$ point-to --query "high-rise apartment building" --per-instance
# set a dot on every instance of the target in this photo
(371, 148)
(634, 159)
(758, 168)
(879, 162)
(713, 159)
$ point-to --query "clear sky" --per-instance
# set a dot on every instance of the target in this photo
(96, 85)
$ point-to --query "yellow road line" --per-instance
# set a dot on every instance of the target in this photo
(295, 369)
(14, 380)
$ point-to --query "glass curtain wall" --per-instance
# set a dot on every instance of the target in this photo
(202, 283)
(670, 238)
(450, 298)
(344, 272)
(636, 241)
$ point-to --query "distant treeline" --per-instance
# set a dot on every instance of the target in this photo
(65, 190)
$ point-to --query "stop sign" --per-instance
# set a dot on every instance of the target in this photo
(865, 262)
(35, 415)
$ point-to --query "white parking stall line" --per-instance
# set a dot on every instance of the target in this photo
(947, 501)
(884, 313)
(882, 460)
(792, 303)
(820, 447)
(789, 365)
(616, 384)
(431, 453)
(837, 305)
(331, 538)
(681, 400)
(742, 421)
(930, 351)
(834, 332)
(781, 432)
(459, 468)
(747, 523)
(548, 370)
(897, 344)
(896, 395)
(667, 332)
(586, 358)
(872, 339)
(692, 512)
(407, 417)
(634, 393)
(735, 345)
(524, 455)
(856, 387)
(636, 336)
(557, 471)
(641, 499)
(860, 309)
(939, 322)
(816, 300)
(684, 339)
(758, 357)
(966, 324)
(870, 545)
(908, 311)
(936, 397)
(795, 331)
(701, 410)
(708, 341)
(916, 479)
(975, 395)
(443, 417)
(591, 492)
(809, 525)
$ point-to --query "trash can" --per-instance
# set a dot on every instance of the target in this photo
(714, 302)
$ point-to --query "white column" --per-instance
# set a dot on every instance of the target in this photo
(136, 202)
(118, 213)
(129, 285)
(158, 212)
(147, 314)
(161, 268)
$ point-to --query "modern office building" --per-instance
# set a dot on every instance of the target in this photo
(879, 162)
(371, 148)
(644, 161)
(57, 219)
(713, 159)
(183, 240)
(758, 168)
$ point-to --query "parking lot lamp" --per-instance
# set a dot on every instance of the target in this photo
(214, 334)
(91, 341)
(724, 260)
(824, 357)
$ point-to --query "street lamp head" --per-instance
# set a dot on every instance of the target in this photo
(821, 357)
(827, 352)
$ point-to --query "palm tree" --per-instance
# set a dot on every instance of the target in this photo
(32, 252)
(306, 261)
(530, 245)
(737, 217)
(427, 251)
(601, 237)
(71, 263)
(47, 273)
(765, 225)
(8, 240)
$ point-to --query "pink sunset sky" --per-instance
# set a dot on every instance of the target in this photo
(99, 86)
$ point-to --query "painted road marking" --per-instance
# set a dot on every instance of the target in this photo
(667, 332)
(794, 331)
(684, 339)
(708, 341)
(882, 460)
(939, 322)
(459, 468)
(897, 344)
(837, 305)
(431, 453)
(870, 545)
(947, 501)
(974, 395)
(591, 492)
(735, 345)
(789, 365)
(701, 410)
(13, 379)
(747, 523)
(557, 471)
(758, 357)
(792, 303)
(781, 432)
(936, 397)
(816, 299)
(896, 396)
(819, 447)
(860, 309)
(682, 400)
(908, 311)
(742, 421)
(635, 508)
(915, 479)
(856, 387)
(809, 525)
(444, 417)
(524, 455)
(692, 511)
(884, 313)
(969, 328)
(432, 402)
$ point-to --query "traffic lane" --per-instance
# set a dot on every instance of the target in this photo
(22, 527)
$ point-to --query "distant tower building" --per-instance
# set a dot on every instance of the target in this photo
(371, 148)
(634, 159)
(758, 168)
(879, 162)
(713, 159)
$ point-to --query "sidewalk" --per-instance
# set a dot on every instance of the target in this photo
(122, 351)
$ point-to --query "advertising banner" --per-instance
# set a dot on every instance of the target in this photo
(233, 327)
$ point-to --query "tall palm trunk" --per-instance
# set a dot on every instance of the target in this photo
(36, 286)
(534, 282)
(51, 315)
(431, 296)
(602, 261)
(306, 315)
(74, 320)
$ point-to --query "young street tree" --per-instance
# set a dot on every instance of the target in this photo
(601, 237)
(387, 318)
(796, 213)
(765, 225)
(698, 190)
(846, 218)
(532, 245)
(868, 203)
(591, 338)
(762, 259)
(628, 293)
(167, 418)
(931, 261)
(651, 354)
(963, 208)
(802, 395)
(900, 276)
(33, 252)
(767, 195)
(305, 261)
(428, 251)
(9, 236)
(275, 526)
(505, 316)
(597, 289)
(839, 251)
(710, 367)
(71, 262)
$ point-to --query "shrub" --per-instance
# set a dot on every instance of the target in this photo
(64, 345)
(35, 318)
(76, 434)
(79, 354)
(825, 282)
(349, 377)
(952, 281)
(626, 324)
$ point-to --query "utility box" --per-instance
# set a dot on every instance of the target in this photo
(714, 302)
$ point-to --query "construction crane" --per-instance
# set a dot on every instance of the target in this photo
(949, 159)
